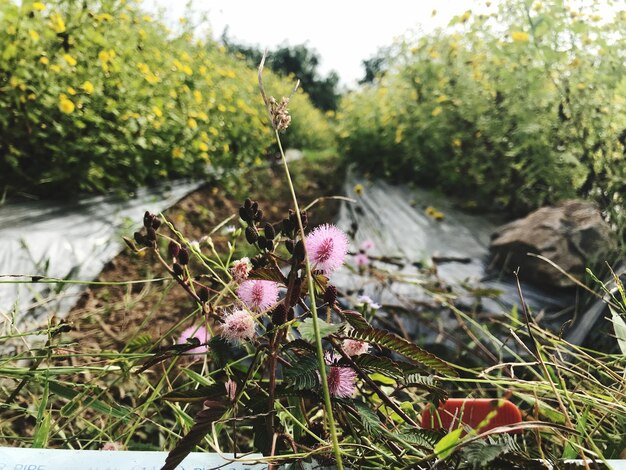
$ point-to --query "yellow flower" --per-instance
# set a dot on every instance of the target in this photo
(157, 111)
(204, 156)
(55, 68)
(442, 99)
(456, 142)
(147, 18)
(34, 35)
(88, 87)
(177, 152)
(197, 95)
(226, 148)
(38, 6)
(434, 213)
(104, 56)
(436, 111)
(14, 82)
(221, 108)
(192, 123)
(32, 97)
(203, 147)
(173, 94)
(71, 91)
(204, 116)
(69, 59)
(520, 36)
(143, 68)
(187, 70)
(358, 189)
(44, 60)
(57, 23)
(214, 131)
(104, 17)
(66, 105)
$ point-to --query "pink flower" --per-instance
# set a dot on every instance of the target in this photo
(231, 389)
(258, 295)
(201, 334)
(367, 245)
(240, 269)
(354, 347)
(113, 446)
(361, 259)
(238, 326)
(341, 380)
(327, 247)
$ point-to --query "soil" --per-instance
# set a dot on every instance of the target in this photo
(108, 316)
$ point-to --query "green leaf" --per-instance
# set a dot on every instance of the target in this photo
(268, 274)
(371, 423)
(377, 364)
(199, 379)
(401, 346)
(325, 329)
(303, 375)
(448, 443)
(80, 399)
(40, 439)
(619, 325)
(355, 319)
(214, 391)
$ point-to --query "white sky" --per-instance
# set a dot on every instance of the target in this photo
(343, 32)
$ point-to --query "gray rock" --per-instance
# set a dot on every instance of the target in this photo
(572, 234)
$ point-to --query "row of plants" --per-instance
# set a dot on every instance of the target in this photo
(516, 107)
(99, 96)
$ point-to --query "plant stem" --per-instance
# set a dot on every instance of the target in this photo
(316, 331)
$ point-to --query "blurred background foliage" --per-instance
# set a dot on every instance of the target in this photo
(509, 111)
(99, 96)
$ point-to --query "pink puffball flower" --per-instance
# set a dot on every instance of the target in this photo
(238, 326)
(361, 260)
(327, 247)
(367, 245)
(341, 380)
(258, 295)
(201, 334)
(113, 446)
(241, 269)
(354, 347)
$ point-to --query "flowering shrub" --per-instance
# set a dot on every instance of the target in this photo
(511, 109)
(255, 308)
(102, 96)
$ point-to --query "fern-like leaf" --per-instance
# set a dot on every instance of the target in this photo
(303, 373)
(401, 346)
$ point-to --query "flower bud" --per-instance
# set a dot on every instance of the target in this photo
(147, 219)
(139, 238)
(330, 295)
(262, 241)
(270, 233)
(251, 234)
(203, 294)
(183, 256)
(289, 244)
(298, 251)
(173, 249)
(279, 314)
(178, 269)
(150, 234)
(156, 223)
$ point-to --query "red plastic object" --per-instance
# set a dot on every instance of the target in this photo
(473, 413)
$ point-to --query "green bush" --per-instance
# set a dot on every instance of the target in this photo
(513, 109)
(98, 96)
